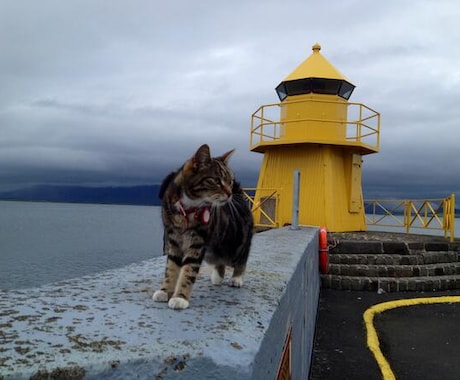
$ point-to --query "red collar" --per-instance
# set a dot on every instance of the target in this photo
(200, 214)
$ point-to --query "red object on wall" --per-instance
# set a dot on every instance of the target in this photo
(323, 251)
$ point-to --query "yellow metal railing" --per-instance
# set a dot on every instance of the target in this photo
(362, 124)
(264, 208)
(430, 214)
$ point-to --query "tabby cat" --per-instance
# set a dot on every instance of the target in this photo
(205, 216)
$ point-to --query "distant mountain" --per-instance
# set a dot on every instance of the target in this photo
(134, 195)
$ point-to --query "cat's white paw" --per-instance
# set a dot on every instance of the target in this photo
(236, 282)
(178, 303)
(215, 277)
(160, 296)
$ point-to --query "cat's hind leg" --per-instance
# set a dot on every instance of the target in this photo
(217, 275)
(237, 277)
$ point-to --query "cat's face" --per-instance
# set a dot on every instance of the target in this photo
(208, 180)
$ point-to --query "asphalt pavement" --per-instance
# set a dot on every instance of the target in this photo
(419, 341)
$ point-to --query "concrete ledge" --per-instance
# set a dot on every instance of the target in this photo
(107, 326)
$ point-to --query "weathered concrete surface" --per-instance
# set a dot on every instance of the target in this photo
(107, 325)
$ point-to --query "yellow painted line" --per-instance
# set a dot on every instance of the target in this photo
(372, 337)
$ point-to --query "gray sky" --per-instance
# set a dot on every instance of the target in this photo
(121, 92)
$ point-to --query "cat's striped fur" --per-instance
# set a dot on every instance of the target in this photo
(205, 216)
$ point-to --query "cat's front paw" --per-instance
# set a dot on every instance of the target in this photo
(236, 282)
(178, 303)
(160, 296)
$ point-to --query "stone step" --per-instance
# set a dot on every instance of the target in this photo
(391, 284)
(390, 247)
(432, 257)
(439, 269)
(392, 266)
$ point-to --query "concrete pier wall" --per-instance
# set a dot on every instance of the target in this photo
(107, 326)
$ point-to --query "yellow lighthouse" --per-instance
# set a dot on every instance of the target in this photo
(318, 134)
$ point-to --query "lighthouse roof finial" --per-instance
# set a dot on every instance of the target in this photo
(315, 66)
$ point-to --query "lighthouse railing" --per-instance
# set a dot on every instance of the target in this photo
(361, 125)
(264, 204)
(428, 214)
(263, 128)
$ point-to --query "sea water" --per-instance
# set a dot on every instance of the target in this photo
(41, 242)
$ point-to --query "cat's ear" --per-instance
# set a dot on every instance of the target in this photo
(226, 156)
(201, 157)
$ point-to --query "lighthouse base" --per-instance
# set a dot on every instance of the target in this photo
(330, 185)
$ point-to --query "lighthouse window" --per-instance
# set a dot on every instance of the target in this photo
(346, 89)
(298, 87)
(326, 86)
(316, 86)
(294, 87)
(281, 91)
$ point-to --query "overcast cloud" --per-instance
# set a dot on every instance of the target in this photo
(121, 92)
